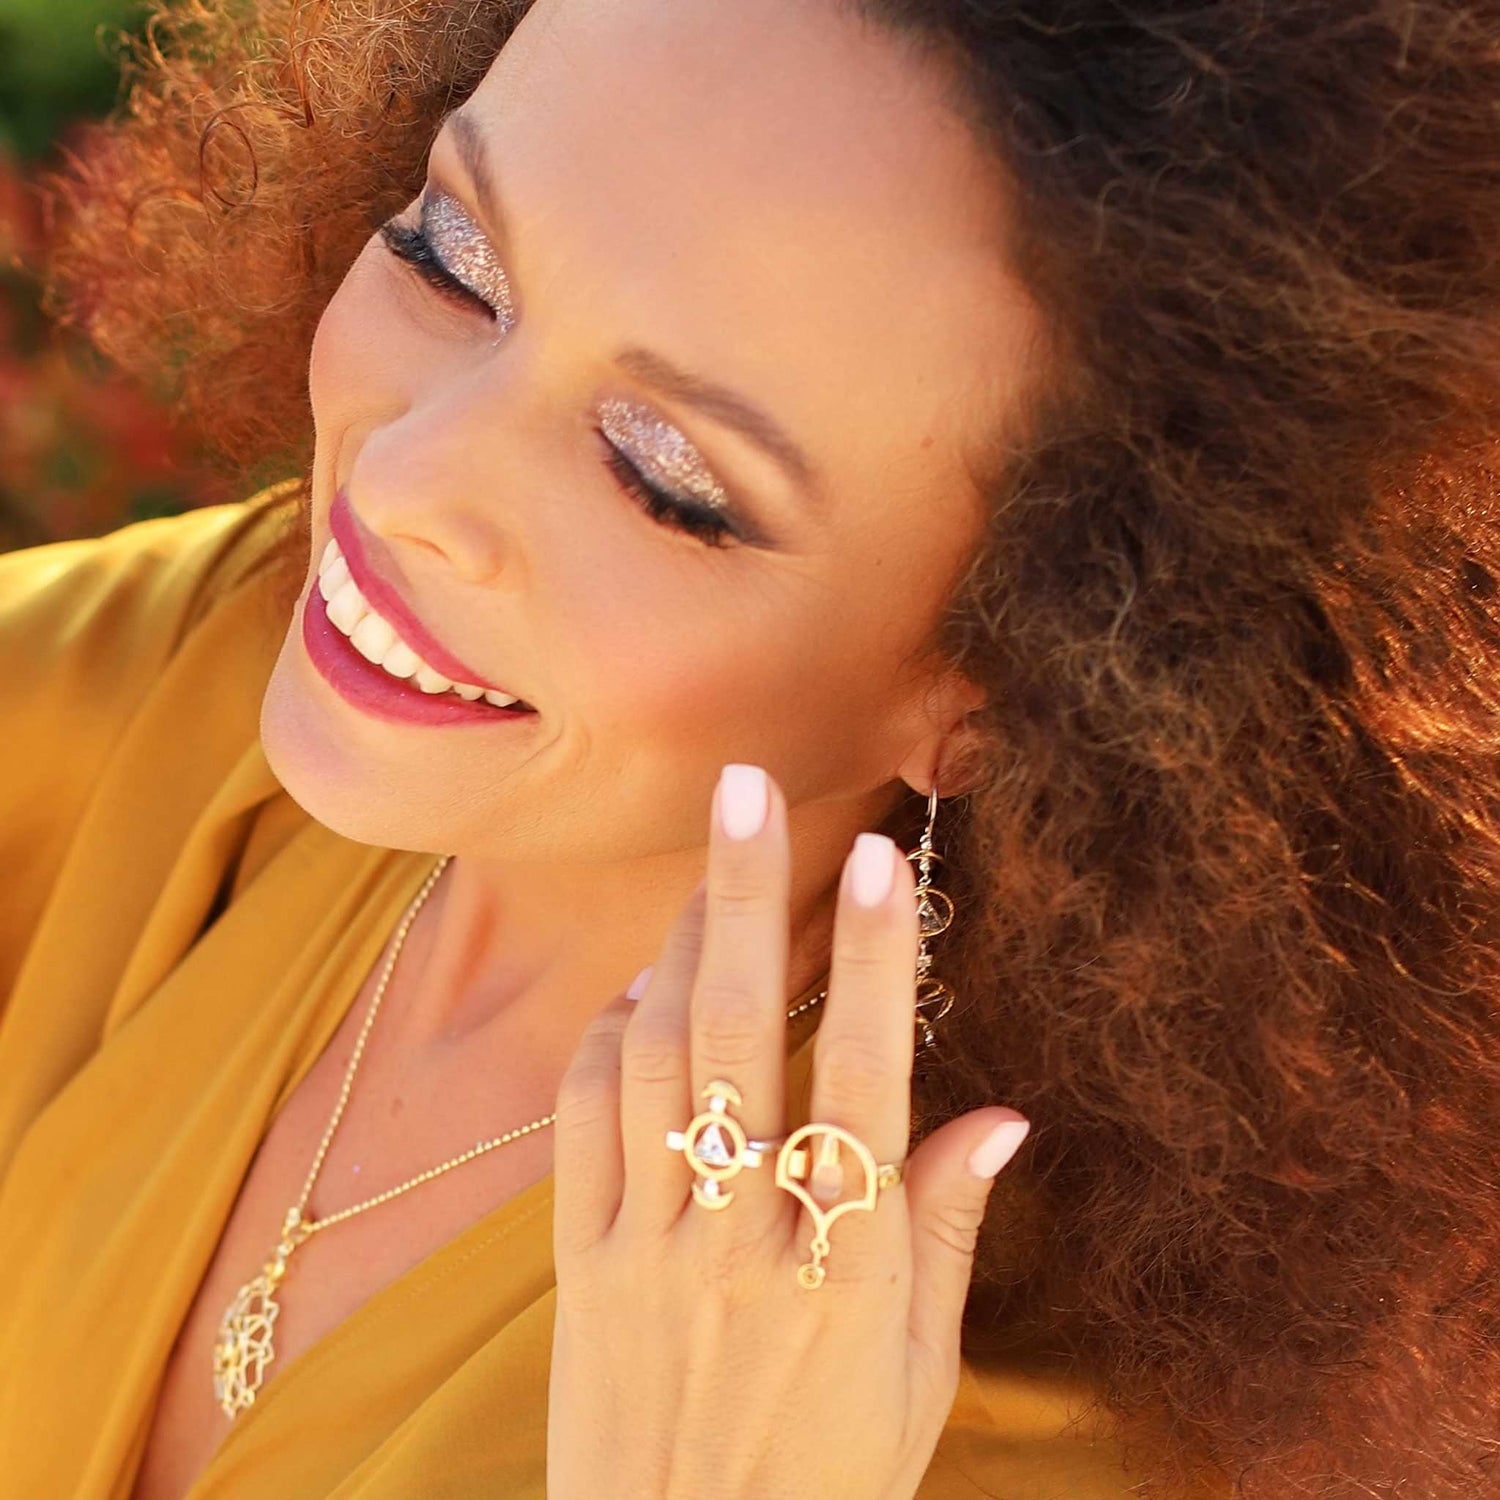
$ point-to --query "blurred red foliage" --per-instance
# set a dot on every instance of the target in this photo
(82, 450)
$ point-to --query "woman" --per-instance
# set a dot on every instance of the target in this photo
(1056, 435)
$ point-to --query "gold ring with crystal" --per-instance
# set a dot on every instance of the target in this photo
(716, 1147)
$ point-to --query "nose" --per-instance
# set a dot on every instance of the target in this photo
(431, 480)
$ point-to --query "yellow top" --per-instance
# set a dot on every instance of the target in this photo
(178, 943)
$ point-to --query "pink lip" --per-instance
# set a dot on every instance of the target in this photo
(372, 689)
(384, 600)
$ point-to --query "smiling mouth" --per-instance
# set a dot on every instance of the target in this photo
(376, 639)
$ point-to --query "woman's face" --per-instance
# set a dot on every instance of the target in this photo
(746, 252)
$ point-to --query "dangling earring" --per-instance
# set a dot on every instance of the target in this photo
(934, 916)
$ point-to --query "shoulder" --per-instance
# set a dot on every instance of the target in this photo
(88, 626)
(96, 637)
(146, 583)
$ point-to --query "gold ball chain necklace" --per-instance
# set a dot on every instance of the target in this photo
(245, 1346)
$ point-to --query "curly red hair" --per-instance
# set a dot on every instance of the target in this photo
(1229, 883)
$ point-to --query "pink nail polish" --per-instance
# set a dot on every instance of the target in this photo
(744, 800)
(638, 985)
(872, 867)
(997, 1148)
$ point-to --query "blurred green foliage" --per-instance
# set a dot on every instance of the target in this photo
(82, 450)
(57, 62)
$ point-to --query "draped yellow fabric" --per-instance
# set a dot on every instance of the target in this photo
(178, 943)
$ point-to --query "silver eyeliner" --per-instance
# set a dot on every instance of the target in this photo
(461, 245)
(660, 450)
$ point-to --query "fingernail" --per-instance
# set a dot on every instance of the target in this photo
(872, 867)
(743, 800)
(997, 1148)
(638, 985)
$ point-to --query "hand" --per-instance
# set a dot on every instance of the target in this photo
(688, 1363)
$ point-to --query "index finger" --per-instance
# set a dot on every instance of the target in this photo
(739, 995)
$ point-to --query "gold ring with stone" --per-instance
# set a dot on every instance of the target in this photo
(805, 1171)
(716, 1146)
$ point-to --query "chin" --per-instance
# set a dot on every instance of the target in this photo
(323, 772)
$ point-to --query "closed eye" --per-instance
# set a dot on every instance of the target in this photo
(707, 525)
(409, 244)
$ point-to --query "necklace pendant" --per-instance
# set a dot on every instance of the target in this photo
(245, 1344)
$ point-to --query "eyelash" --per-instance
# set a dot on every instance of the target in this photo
(706, 525)
(410, 245)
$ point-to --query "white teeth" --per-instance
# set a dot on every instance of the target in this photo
(347, 608)
(401, 660)
(372, 638)
(333, 577)
(376, 640)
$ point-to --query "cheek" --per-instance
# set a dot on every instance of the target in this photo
(696, 665)
(365, 359)
(658, 650)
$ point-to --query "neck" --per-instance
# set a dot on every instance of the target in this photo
(504, 952)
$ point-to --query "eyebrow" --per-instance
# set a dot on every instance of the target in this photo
(655, 370)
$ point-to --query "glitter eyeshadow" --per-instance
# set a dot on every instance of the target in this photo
(660, 447)
(466, 253)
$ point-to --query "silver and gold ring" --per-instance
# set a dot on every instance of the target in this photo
(809, 1164)
(716, 1147)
